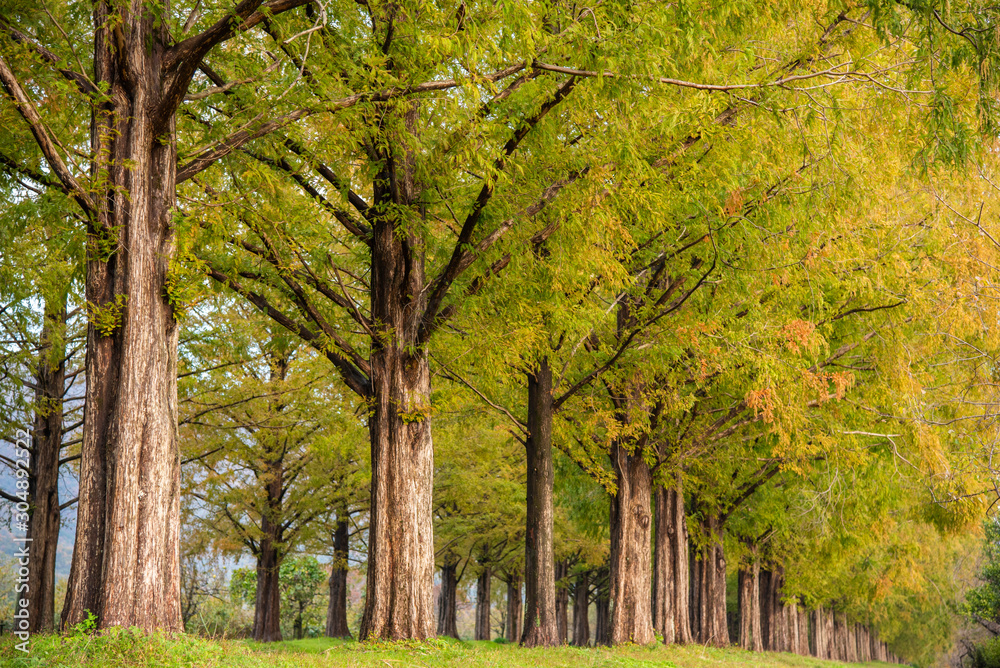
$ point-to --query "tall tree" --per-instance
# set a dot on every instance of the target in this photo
(39, 352)
(259, 457)
(130, 93)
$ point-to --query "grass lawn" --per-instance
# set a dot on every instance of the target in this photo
(125, 649)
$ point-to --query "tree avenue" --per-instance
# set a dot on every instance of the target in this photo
(675, 285)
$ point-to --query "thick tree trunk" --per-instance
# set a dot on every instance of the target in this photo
(336, 612)
(447, 601)
(694, 592)
(562, 600)
(399, 599)
(851, 655)
(670, 567)
(813, 638)
(126, 562)
(663, 572)
(802, 648)
(514, 609)
(766, 613)
(719, 590)
(267, 612)
(792, 614)
(829, 636)
(602, 630)
(540, 623)
(267, 608)
(774, 614)
(631, 576)
(43, 481)
(483, 586)
(680, 546)
(581, 610)
(749, 604)
(780, 627)
(818, 641)
(711, 571)
(840, 636)
(447, 621)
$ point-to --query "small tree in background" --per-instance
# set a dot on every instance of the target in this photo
(300, 579)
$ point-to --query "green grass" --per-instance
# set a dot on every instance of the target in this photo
(127, 649)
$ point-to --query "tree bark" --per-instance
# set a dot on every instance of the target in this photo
(694, 592)
(792, 615)
(719, 588)
(749, 604)
(803, 622)
(483, 585)
(766, 613)
(711, 571)
(562, 600)
(664, 581)
(540, 624)
(447, 601)
(43, 468)
(602, 630)
(336, 613)
(852, 642)
(816, 633)
(840, 636)
(581, 610)
(671, 614)
(775, 620)
(631, 576)
(779, 627)
(399, 602)
(514, 608)
(126, 564)
(828, 633)
(267, 607)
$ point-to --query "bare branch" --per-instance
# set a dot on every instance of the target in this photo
(836, 72)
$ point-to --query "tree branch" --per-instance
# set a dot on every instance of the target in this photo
(353, 377)
(83, 83)
(832, 72)
(42, 137)
(432, 321)
(255, 129)
(460, 258)
(182, 59)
